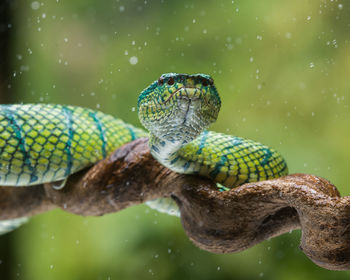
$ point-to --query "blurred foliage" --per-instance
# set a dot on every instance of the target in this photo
(281, 68)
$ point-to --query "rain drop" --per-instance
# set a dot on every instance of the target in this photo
(288, 35)
(133, 60)
(35, 5)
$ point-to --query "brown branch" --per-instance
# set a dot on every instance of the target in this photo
(219, 222)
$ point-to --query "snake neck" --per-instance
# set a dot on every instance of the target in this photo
(166, 152)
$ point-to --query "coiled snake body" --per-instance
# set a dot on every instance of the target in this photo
(41, 143)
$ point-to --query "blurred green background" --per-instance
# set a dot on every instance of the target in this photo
(282, 69)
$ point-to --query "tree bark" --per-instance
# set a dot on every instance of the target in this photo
(219, 222)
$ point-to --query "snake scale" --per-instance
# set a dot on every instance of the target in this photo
(43, 143)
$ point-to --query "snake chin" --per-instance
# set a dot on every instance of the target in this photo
(188, 109)
(185, 122)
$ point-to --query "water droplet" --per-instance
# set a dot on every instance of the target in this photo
(121, 8)
(35, 5)
(133, 60)
(311, 65)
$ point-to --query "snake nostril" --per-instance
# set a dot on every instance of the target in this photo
(161, 81)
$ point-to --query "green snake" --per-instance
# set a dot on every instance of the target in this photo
(44, 143)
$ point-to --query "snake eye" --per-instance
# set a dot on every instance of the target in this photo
(205, 82)
(171, 81)
(211, 81)
(161, 81)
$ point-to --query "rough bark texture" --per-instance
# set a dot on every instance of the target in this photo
(219, 222)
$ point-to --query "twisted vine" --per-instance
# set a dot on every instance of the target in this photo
(219, 222)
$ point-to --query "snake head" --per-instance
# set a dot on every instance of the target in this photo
(178, 107)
